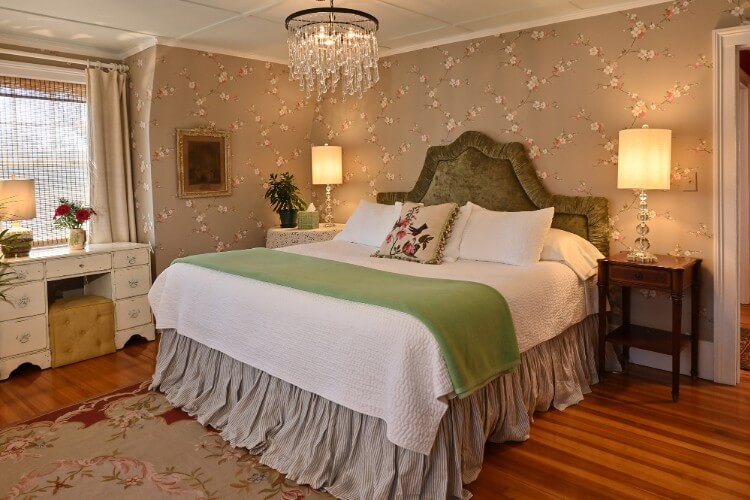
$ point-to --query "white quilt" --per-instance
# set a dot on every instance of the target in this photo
(371, 359)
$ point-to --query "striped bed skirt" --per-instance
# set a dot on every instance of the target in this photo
(317, 442)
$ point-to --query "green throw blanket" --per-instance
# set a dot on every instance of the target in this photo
(470, 321)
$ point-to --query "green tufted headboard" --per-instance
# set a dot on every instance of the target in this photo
(500, 176)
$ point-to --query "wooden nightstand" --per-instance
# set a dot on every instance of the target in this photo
(669, 274)
(278, 237)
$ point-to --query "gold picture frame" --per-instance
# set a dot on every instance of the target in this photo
(203, 163)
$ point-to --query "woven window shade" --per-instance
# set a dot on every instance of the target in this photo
(43, 136)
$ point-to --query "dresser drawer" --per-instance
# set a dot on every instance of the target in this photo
(636, 276)
(28, 299)
(26, 272)
(22, 336)
(132, 281)
(78, 265)
(128, 258)
(130, 313)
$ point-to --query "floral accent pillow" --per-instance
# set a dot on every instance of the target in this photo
(419, 234)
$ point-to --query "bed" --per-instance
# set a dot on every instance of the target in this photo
(355, 398)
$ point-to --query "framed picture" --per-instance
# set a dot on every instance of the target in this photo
(203, 163)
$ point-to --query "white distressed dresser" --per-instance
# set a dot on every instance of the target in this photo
(119, 271)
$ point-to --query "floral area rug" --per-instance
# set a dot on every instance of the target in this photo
(745, 349)
(131, 444)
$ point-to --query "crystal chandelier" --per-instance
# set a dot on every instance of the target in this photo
(330, 46)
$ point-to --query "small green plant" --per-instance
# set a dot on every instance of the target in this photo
(283, 193)
(6, 275)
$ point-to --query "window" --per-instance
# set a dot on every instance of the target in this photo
(43, 136)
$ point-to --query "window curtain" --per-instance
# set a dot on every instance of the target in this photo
(109, 156)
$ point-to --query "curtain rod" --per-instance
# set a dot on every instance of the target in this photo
(70, 60)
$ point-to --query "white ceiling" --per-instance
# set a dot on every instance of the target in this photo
(255, 28)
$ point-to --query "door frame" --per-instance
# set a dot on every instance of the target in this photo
(726, 45)
(743, 163)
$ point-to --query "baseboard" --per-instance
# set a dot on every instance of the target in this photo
(664, 362)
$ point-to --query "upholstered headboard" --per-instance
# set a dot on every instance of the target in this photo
(500, 176)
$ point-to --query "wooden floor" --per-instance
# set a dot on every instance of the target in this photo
(626, 440)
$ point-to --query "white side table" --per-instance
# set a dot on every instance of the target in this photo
(277, 237)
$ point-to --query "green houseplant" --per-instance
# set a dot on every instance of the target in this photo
(284, 197)
(6, 275)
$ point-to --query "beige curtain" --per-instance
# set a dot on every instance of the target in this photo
(109, 157)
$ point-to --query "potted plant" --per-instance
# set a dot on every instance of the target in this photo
(73, 215)
(284, 197)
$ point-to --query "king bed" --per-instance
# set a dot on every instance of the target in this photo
(358, 399)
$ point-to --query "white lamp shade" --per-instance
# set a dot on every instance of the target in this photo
(17, 199)
(644, 158)
(326, 165)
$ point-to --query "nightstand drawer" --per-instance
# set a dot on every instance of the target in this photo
(22, 336)
(640, 277)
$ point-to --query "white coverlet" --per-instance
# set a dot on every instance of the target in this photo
(371, 359)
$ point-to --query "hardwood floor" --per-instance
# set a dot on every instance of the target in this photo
(34, 392)
(626, 440)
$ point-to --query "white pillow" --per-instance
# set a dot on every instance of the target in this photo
(450, 254)
(514, 238)
(576, 252)
(370, 223)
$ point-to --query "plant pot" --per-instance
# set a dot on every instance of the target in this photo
(288, 218)
(77, 238)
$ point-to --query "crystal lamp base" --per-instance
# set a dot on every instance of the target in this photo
(641, 253)
(642, 257)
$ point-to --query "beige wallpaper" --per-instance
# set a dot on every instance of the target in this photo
(269, 121)
(564, 90)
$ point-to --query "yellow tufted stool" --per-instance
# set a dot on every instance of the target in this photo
(81, 328)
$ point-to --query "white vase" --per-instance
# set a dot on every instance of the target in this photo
(77, 238)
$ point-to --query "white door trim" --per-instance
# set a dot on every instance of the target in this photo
(726, 43)
(743, 105)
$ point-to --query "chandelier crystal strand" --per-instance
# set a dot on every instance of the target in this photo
(332, 47)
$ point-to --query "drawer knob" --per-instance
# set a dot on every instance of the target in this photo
(131, 259)
(134, 313)
(23, 301)
(638, 275)
(23, 338)
(133, 283)
(80, 265)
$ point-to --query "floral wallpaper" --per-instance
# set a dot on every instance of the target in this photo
(564, 90)
(269, 121)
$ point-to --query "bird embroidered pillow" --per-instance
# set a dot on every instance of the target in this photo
(419, 234)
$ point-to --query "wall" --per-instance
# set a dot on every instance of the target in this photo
(565, 90)
(269, 121)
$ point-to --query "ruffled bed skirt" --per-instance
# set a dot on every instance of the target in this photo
(317, 442)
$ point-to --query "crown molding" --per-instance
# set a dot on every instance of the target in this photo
(82, 50)
(140, 47)
(56, 46)
(536, 23)
(41, 72)
(183, 44)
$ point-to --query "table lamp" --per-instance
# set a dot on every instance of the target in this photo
(17, 203)
(644, 162)
(326, 169)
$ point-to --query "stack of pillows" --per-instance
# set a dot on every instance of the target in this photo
(445, 233)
